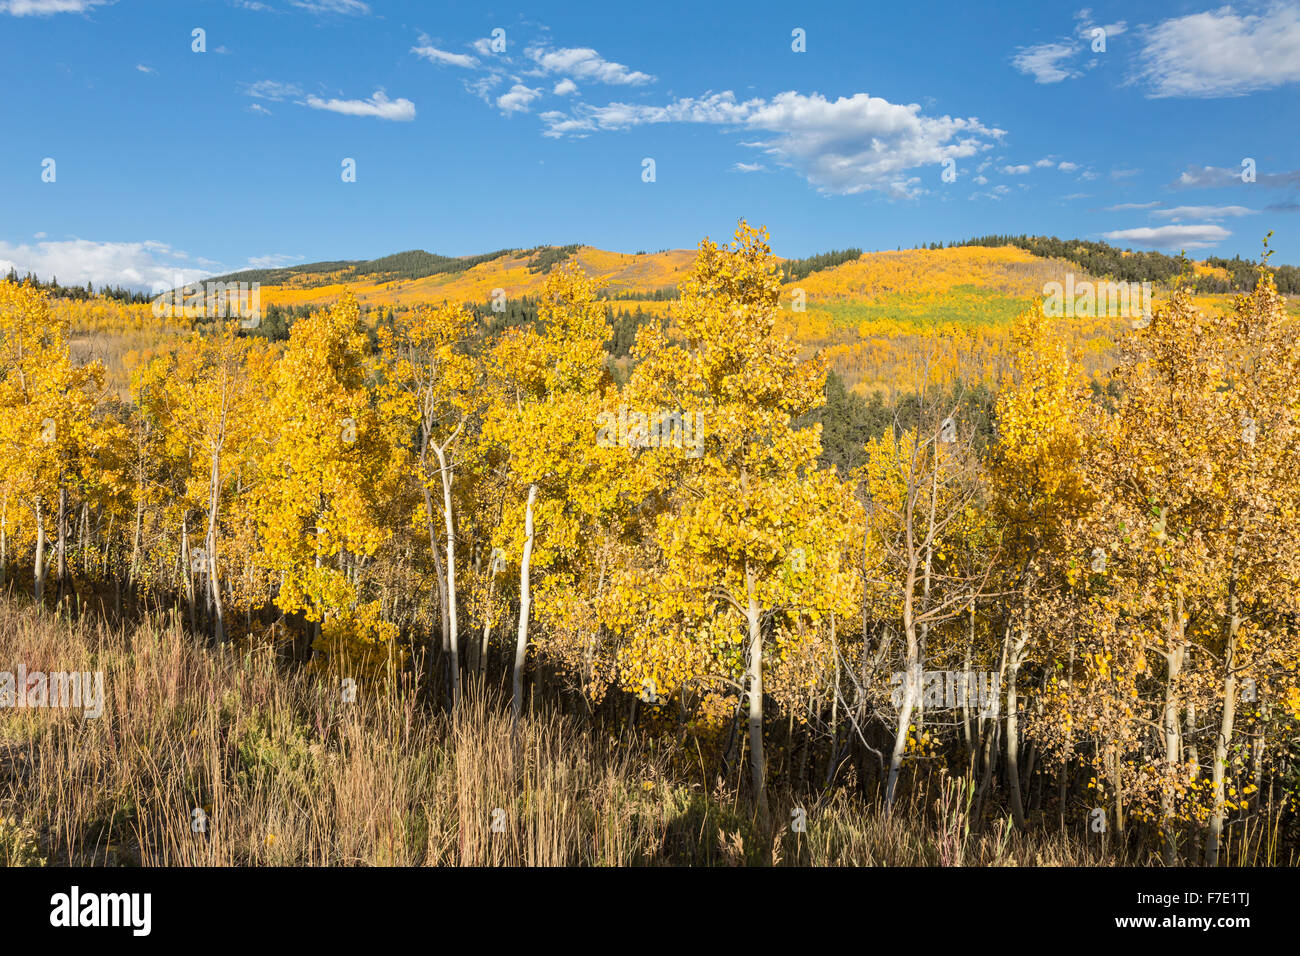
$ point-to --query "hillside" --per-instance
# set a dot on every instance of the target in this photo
(877, 316)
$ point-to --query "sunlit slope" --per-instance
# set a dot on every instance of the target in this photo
(881, 320)
(624, 273)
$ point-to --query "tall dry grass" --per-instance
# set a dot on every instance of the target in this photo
(287, 773)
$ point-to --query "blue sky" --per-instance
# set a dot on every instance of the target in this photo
(169, 161)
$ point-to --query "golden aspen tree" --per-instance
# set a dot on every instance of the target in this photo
(432, 380)
(548, 395)
(46, 415)
(752, 502)
(1039, 494)
(322, 480)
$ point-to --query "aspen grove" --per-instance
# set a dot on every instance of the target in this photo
(1084, 607)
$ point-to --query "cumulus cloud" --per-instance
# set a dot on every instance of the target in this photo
(848, 145)
(134, 265)
(1052, 62)
(1019, 170)
(584, 63)
(1222, 53)
(1171, 237)
(565, 87)
(517, 99)
(378, 106)
(1046, 62)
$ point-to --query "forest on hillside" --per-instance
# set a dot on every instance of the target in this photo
(1069, 606)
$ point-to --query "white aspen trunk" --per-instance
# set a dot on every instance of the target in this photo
(135, 546)
(453, 637)
(911, 690)
(1013, 730)
(757, 761)
(525, 601)
(1173, 741)
(214, 585)
(38, 574)
(1218, 813)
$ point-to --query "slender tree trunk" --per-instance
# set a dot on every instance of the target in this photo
(757, 765)
(487, 624)
(38, 573)
(911, 688)
(4, 539)
(135, 545)
(1218, 813)
(525, 602)
(453, 636)
(1013, 729)
(187, 570)
(214, 583)
(62, 546)
(1173, 742)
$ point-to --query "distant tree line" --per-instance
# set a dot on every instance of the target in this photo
(1103, 259)
(88, 291)
(800, 268)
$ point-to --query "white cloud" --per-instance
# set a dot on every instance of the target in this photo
(517, 99)
(1049, 62)
(1044, 163)
(272, 90)
(981, 180)
(258, 108)
(1171, 237)
(378, 106)
(747, 167)
(1133, 205)
(584, 63)
(1067, 167)
(1222, 53)
(349, 7)
(1045, 62)
(1019, 170)
(135, 265)
(1213, 176)
(565, 87)
(431, 53)
(847, 145)
(1209, 213)
(273, 261)
(145, 69)
(45, 8)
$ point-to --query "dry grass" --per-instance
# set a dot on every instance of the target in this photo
(289, 774)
